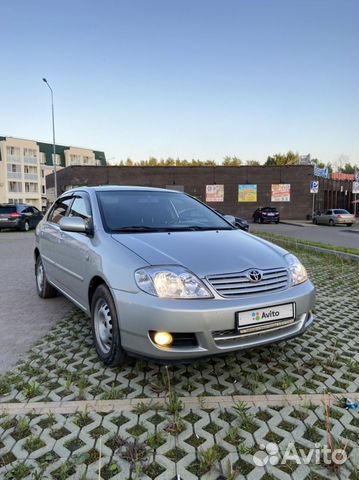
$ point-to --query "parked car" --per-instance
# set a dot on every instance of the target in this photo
(266, 215)
(238, 222)
(165, 277)
(334, 216)
(19, 216)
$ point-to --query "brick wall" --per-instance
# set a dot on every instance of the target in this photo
(195, 179)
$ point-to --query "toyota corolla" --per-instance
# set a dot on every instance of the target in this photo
(165, 277)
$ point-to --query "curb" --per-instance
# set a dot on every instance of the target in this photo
(226, 401)
(345, 256)
(351, 257)
(288, 222)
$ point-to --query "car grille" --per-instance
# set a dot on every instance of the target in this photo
(238, 284)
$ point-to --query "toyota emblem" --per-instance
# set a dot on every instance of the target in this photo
(254, 276)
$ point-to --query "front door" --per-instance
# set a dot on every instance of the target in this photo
(50, 239)
(74, 253)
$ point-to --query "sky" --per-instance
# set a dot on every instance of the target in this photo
(184, 78)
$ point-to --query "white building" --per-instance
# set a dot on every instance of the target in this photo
(24, 165)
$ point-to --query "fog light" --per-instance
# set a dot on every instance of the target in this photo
(163, 338)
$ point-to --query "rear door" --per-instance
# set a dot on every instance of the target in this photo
(73, 252)
(36, 216)
(50, 238)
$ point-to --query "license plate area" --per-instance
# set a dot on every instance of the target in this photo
(265, 318)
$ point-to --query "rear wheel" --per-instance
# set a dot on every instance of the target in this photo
(26, 226)
(43, 287)
(105, 328)
(331, 223)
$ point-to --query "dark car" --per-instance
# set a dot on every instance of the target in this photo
(238, 222)
(266, 215)
(19, 216)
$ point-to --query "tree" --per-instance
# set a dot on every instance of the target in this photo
(290, 158)
(231, 161)
(348, 168)
(253, 163)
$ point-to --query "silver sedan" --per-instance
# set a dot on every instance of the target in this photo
(332, 217)
(165, 277)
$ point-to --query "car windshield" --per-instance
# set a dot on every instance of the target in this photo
(269, 209)
(5, 209)
(146, 211)
(341, 212)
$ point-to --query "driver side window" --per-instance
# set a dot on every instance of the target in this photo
(81, 208)
(59, 209)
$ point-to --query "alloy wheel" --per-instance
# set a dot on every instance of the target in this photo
(103, 325)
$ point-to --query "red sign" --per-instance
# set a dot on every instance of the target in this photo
(343, 176)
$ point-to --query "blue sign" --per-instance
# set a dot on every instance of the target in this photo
(314, 187)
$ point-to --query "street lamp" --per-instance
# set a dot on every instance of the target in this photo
(53, 135)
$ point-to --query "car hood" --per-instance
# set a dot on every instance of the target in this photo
(205, 253)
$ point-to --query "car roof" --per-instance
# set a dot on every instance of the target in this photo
(106, 188)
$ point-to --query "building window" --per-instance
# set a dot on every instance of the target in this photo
(43, 189)
(30, 153)
(13, 151)
(31, 187)
(75, 160)
(42, 158)
(15, 200)
(15, 187)
(12, 167)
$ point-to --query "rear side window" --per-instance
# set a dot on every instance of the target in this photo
(328, 212)
(59, 209)
(81, 208)
(7, 209)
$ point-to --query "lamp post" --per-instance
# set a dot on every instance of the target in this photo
(53, 135)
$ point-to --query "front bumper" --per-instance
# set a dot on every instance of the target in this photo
(211, 320)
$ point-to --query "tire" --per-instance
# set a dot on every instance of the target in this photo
(261, 220)
(105, 328)
(43, 287)
(331, 223)
(349, 224)
(315, 221)
(277, 221)
(26, 226)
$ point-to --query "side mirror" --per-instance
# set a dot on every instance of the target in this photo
(230, 219)
(74, 224)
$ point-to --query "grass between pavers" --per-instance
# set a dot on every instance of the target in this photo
(63, 366)
(198, 443)
(275, 238)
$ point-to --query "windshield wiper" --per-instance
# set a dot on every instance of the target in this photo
(144, 229)
(199, 228)
(139, 229)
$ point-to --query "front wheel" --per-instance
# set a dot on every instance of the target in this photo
(43, 287)
(105, 328)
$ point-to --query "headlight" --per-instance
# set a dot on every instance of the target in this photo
(297, 271)
(171, 282)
